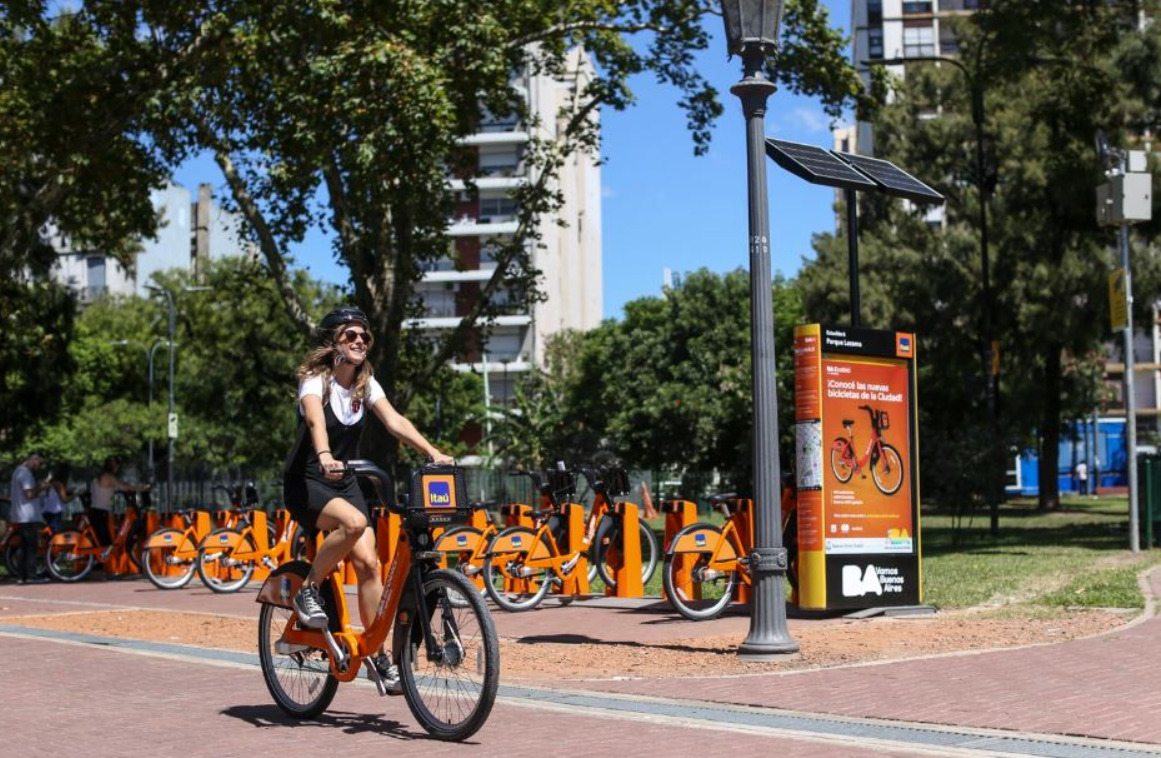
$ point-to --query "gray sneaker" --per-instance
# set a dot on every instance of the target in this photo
(308, 605)
(388, 674)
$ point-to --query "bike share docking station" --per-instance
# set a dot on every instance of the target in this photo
(856, 428)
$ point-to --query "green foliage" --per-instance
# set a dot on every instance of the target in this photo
(235, 361)
(669, 385)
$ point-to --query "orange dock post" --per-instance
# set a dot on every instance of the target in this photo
(742, 514)
(625, 559)
(678, 515)
(577, 582)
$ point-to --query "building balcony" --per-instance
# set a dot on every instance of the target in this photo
(483, 227)
(444, 322)
(474, 275)
(491, 183)
(504, 137)
(495, 366)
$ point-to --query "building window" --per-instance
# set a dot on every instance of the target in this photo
(874, 11)
(95, 281)
(875, 43)
(918, 41)
(502, 160)
(490, 122)
(949, 46)
(439, 303)
(910, 8)
(497, 209)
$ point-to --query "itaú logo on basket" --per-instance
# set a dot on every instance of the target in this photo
(438, 493)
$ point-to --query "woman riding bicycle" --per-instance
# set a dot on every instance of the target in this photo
(335, 388)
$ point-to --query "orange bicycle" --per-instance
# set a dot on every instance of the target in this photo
(169, 554)
(448, 653)
(14, 552)
(73, 553)
(883, 460)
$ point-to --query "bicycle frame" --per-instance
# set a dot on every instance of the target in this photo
(847, 446)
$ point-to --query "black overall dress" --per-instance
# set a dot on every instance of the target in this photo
(305, 488)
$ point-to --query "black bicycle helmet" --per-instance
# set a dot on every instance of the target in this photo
(339, 316)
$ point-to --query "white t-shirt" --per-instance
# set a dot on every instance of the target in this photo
(23, 510)
(341, 403)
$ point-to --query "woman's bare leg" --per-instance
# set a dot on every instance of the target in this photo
(346, 525)
(365, 561)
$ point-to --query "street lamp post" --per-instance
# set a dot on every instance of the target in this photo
(149, 356)
(171, 301)
(752, 30)
(990, 364)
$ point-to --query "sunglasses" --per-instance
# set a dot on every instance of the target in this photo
(351, 335)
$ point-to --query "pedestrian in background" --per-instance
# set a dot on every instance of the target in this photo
(56, 497)
(102, 489)
(1082, 478)
(24, 512)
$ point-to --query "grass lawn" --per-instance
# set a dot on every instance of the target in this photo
(1077, 556)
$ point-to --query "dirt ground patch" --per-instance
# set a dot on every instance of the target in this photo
(823, 645)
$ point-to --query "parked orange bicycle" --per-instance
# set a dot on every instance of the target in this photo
(447, 652)
(169, 555)
(227, 558)
(73, 553)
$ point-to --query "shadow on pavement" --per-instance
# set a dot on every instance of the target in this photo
(269, 715)
(581, 639)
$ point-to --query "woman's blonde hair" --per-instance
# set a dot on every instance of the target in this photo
(322, 360)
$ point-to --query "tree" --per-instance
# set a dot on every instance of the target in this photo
(351, 115)
(669, 385)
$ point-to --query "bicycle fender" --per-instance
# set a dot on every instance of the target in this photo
(165, 538)
(283, 584)
(702, 540)
(70, 539)
(463, 541)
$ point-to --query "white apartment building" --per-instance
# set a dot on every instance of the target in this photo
(568, 255)
(884, 29)
(191, 230)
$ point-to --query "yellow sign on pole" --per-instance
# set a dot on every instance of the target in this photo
(1118, 300)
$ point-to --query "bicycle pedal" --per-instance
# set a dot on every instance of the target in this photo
(428, 555)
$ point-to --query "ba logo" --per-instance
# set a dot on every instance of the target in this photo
(438, 494)
(699, 540)
(857, 582)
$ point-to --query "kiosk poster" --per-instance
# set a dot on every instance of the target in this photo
(855, 438)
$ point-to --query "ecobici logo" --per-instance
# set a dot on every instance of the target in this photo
(438, 493)
(858, 581)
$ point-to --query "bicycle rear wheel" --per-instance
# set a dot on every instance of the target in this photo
(299, 679)
(452, 692)
(216, 566)
(607, 550)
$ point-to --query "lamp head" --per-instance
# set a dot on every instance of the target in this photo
(751, 22)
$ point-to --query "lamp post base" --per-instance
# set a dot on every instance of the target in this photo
(781, 650)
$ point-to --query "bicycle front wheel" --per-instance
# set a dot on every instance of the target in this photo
(65, 560)
(888, 471)
(608, 550)
(450, 689)
(162, 567)
(216, 564)
(696, 591)
(507, 580)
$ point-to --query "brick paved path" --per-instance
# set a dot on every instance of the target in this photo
(1107, 686)
(62, 699)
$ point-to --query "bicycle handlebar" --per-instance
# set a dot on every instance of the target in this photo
(381, 478)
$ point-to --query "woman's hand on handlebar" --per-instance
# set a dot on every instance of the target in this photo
(332, 469)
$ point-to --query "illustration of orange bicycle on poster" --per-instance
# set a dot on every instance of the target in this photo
(880, 458)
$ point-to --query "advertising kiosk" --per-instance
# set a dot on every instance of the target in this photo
(856, 453)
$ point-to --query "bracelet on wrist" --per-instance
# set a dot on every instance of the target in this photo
(320, 452)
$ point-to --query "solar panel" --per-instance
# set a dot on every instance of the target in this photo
(892, 179)
(816, 165)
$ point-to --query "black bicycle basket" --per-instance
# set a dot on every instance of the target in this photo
(438, 497)
(561, 483)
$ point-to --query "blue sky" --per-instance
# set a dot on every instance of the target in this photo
(661, 206)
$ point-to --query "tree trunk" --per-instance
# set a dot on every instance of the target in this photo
(1050, 430)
